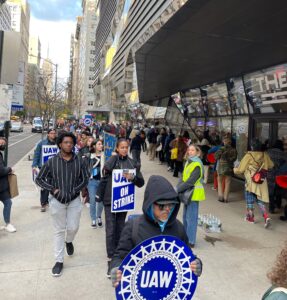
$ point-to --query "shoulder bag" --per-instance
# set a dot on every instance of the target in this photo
(260, 174)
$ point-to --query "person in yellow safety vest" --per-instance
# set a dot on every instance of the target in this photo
(190, 185)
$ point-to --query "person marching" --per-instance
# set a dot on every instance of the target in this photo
(191, 188)
(115, 221)
(160, 208)
(37, 163)
(64, 176)
(95, 161)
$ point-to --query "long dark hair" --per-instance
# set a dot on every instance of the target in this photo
(94, 143)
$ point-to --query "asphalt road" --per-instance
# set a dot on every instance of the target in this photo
(20, 143)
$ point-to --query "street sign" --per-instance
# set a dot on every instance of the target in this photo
(87, 122)
(158, 268)
(123, 192)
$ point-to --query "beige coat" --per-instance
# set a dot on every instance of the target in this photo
(248, 166)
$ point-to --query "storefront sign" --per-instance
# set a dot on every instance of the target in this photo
(123, 191)
(48, 151)
(158, 268)
(272, 86)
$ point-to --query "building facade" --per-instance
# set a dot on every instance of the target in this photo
(86, 55)
(33, 73)
(76, 105)
(130, 25)
(20, 21)
(5, 17)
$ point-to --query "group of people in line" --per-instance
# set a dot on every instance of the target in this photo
(80, 167)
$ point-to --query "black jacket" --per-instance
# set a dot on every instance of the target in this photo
(104, 191)
(157, 188)
(4, 184)
(136, 143)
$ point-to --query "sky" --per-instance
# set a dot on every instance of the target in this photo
(54, 21)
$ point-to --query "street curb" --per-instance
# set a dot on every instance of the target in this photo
(22, 158)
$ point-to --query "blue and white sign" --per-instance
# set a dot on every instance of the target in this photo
(123, 192)
(88, 120)
(158, 268)
(110, 141)
(49, 151)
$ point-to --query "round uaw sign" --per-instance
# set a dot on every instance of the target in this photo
(158, 269)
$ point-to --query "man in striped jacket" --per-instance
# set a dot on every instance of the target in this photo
(64, 176)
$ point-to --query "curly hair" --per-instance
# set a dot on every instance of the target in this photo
(66, 134)
(278, 274)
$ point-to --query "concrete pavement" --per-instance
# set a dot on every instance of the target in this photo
(235, 261)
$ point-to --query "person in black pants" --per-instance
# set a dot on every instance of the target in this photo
(115, 221)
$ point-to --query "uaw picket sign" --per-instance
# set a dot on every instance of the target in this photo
(48, 151)
(110, 141)
(123, 192)
(158, 269)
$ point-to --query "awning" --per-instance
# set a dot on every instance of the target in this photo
(210, 40)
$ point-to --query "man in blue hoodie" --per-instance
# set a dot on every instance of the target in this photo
(160, 209)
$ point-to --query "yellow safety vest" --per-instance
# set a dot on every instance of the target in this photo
(198, 193)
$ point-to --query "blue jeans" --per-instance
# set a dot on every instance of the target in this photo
(190, 218)
(7, 210)
(96, 208)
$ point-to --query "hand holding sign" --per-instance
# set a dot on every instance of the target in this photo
(158, 268)
(123, 190)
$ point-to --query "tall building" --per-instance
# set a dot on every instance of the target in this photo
(20, 21)
(85, 36)
(124, 26)
(5, 17)
(33, 74)
(76, 106)
(71, 70)
(47, 73)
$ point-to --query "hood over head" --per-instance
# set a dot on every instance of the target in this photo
(159, 189)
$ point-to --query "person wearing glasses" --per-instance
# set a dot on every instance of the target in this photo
(160, 209)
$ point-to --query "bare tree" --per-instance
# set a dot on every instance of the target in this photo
(50, 98)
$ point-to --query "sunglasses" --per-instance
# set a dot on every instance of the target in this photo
(165, 206)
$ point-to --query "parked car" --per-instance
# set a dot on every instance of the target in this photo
(16, 126)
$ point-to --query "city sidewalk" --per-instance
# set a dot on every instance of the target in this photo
(235, 261)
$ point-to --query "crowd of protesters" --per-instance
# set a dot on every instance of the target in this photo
(79, 173)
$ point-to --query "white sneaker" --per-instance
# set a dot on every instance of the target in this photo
(94, 224)
(10, 228)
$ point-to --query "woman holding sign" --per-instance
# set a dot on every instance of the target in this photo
(115, 221)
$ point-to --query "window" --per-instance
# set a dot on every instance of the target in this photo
(215, 96)
(192, 103)
(237, 96)
(267, 89)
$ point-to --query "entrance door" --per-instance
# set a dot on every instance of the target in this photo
(269, 128)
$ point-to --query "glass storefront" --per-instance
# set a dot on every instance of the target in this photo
(226, 108)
